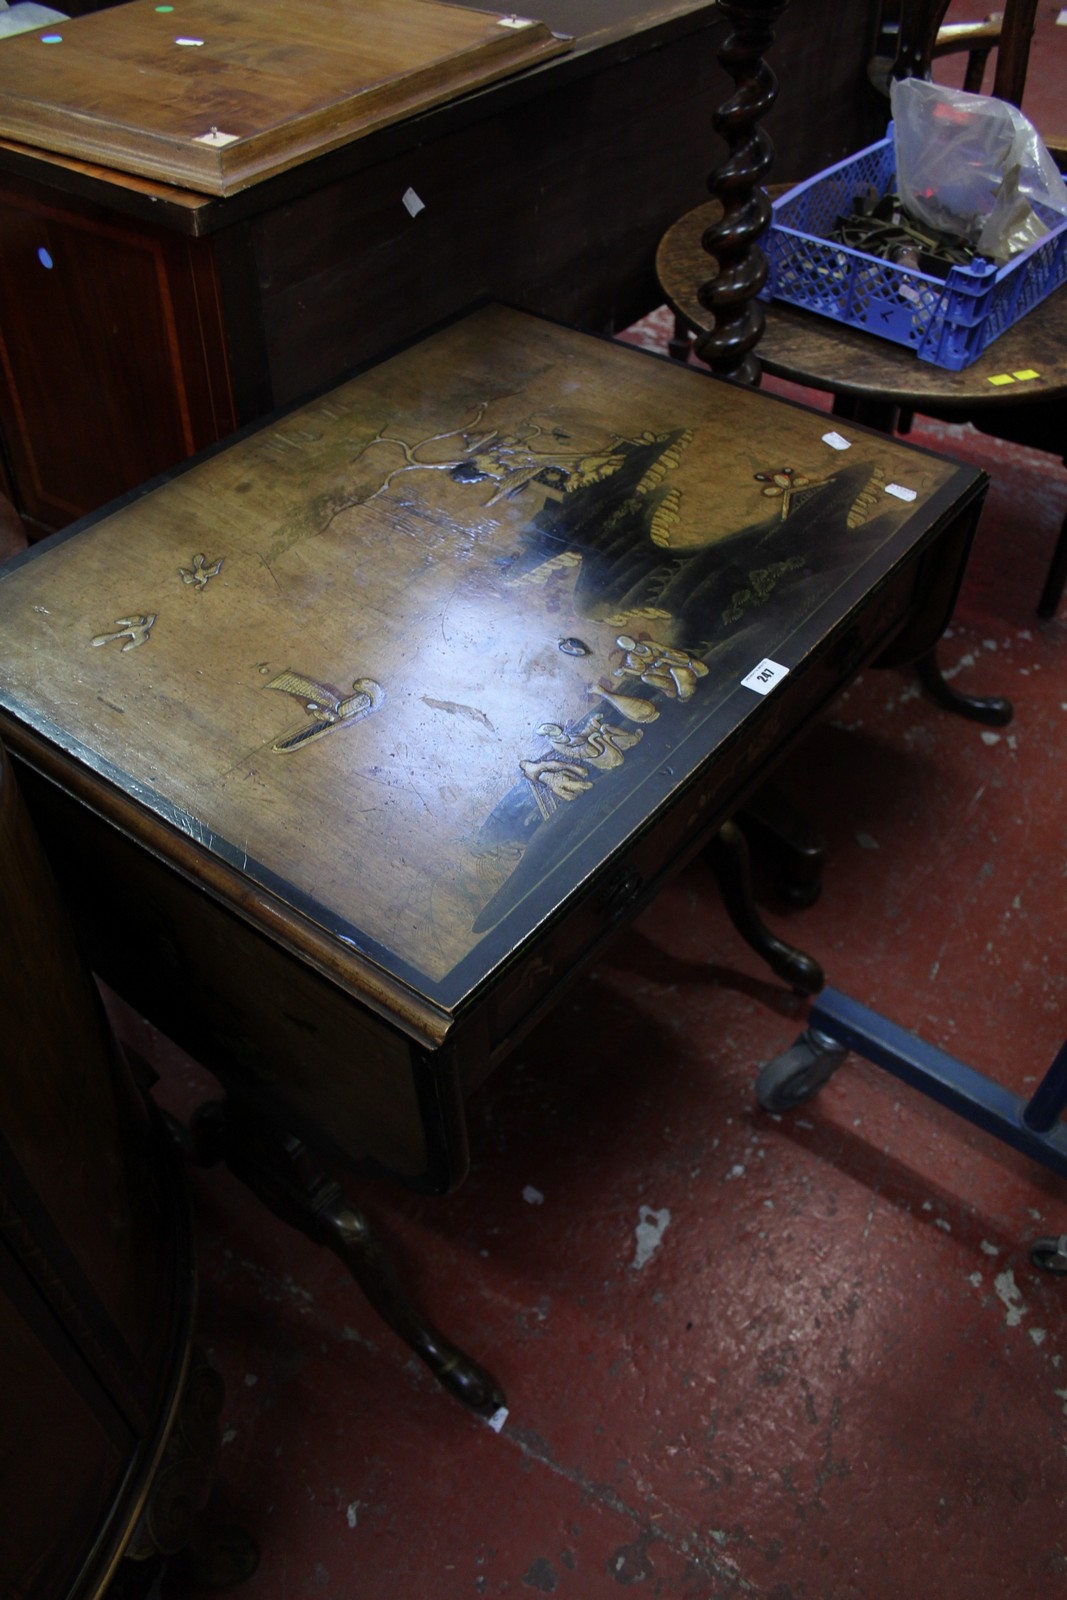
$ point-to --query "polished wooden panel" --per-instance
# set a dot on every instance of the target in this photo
(95, 1260)
(61, 1462)
(112, 349)
(74, 1131)
(292, 1022)
(220, 94)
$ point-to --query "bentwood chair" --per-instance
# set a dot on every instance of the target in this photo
(915, 33)
(882, 384)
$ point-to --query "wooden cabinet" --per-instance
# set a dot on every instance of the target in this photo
(113, 351)
(168, 317)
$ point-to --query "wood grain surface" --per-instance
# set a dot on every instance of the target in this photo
(216, 95)
(374, 654)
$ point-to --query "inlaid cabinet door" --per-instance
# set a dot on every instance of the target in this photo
(113, 361)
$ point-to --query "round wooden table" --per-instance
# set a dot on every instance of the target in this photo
(873, 380)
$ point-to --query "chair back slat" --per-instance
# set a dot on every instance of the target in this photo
(920, 21)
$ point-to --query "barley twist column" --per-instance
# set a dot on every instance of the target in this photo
(742, 267)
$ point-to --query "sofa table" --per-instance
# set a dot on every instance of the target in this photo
(354, 740)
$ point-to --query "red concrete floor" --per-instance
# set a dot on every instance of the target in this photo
(795, 1358)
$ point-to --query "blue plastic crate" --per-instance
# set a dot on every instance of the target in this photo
(948, 322)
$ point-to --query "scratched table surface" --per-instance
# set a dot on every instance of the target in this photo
(421, 655)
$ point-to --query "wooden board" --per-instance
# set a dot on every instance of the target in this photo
(216, 95)
(423, 654)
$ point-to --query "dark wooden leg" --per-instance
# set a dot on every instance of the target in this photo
(173, 1531)
(216, 1558)
(880, 414)
(137, 1580)
(1052, 593)
(991, 709)
(680, 345)
(976, 65)
(741, 267)
(771, 822)
(282, 1172)
(728, 854)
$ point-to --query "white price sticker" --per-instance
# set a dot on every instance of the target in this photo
(764, 677)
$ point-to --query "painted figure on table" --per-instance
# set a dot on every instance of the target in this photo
(668, 601)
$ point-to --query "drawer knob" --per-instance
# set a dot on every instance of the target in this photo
(620, 891)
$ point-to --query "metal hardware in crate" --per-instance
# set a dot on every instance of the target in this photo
(948, 322)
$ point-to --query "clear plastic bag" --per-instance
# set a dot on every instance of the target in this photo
(971, 165)
(21, 18)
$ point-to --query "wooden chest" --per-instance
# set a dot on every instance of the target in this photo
(215, 95)
(355, 738)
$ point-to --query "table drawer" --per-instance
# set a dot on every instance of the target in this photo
(692, 814)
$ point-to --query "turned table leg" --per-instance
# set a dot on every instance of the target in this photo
(728, 853)
(282, 1172)
(991, 709)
